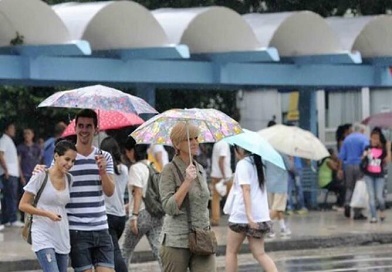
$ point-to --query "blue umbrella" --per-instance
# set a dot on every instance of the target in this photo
(255, 144)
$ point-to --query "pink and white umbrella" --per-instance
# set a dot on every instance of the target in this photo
(383, 120)
(98, 97)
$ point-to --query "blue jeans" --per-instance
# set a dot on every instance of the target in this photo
(91, 249)
(50, 261)
(375, 187)
(9, 202)
(295, 184)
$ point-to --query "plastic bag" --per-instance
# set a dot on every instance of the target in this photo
(360, 197)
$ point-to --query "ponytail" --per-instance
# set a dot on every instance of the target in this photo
(260, 170)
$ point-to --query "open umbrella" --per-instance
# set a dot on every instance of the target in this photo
(98, 97)
(214, 125)
(256, 144)
(109, 120)
(295, 141)
(383, 120)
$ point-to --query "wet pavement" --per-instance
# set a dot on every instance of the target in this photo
(321, 232)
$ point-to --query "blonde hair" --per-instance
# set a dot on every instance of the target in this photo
(178, 132)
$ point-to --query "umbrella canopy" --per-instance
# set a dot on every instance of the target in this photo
(214, 125)
(98, 97)
(295, 141)
(383, 120)
(256, 144)
(109, 120)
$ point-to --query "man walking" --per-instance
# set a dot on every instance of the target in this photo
(91, 244)
(220, 169)
(350, 158)
(9, 176)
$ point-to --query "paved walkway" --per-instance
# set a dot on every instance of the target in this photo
(317, 229)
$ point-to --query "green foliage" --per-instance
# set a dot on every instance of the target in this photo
(20, 104)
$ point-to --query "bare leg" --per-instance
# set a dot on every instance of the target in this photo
(103, 269)
(234, 242)
(257, 248)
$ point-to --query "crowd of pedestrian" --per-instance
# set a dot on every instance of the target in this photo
(96, 194)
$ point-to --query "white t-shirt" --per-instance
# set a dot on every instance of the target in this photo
(10, 155)
(245, 173)
(138, 177)
(160, 148)
(45, 232)
(221, 149)
(115, 203)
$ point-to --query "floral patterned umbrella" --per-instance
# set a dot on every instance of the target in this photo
(98, 97)
(109, 120)
(214, 125)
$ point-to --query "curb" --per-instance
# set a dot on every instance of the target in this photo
(295, 243)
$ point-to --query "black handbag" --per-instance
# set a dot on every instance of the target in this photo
(364, 164)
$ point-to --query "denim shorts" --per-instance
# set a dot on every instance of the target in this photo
(260, 232)
(91, 249)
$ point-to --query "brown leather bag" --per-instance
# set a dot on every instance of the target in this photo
(202, 242)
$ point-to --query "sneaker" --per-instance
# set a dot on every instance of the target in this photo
(302, 211)
(271, 234)
(360, 217)
(2, 227)
(17, 224)
(373, 220)
(289, 212)
(285, 232)
(8, 224)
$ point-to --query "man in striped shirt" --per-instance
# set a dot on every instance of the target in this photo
(91, 244)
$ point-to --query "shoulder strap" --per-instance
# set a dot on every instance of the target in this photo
(69, 179)
(186, 199)
(36, 198)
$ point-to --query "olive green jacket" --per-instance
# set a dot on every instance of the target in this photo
(175, 226)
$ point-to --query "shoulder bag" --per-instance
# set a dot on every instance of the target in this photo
(26, 232)
(201, 241)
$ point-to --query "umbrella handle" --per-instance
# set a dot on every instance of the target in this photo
(189, 143)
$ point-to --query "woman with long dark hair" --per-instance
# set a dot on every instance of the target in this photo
(115, 208)
(249, 213)
(377, 156)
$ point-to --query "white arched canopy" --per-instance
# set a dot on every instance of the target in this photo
(34, 20)
(370, 35)
(207, 30)
(294, 33)
(112, 25)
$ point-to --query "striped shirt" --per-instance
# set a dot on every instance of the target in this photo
(86, 210)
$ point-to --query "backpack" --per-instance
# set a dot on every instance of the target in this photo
(152, 199)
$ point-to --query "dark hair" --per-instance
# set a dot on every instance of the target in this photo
(140, 149)
(110, 145)
(63, 146)
(87, 113)
(6, 123)
(378, 131)
(259, 167)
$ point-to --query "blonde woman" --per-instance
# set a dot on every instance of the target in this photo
(174, 252)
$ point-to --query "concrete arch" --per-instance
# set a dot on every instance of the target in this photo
(207, 30)
(112, 25)
(294, 33)
(370, 35)
(32, 19)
